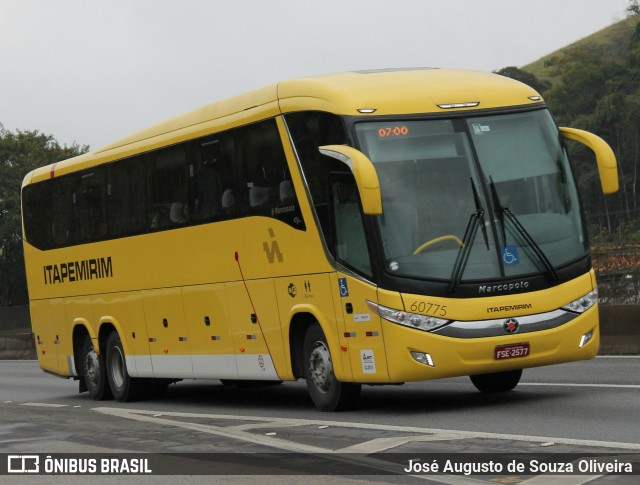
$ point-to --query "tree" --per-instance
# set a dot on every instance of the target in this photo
(524, 77)
(20, 152)
(580, 75)
(595, 87)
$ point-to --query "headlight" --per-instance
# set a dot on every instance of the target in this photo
(583, 303)
(412, 320)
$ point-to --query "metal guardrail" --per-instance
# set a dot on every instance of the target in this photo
(619, 329)
(15, 320)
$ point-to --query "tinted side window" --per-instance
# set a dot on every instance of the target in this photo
(350, 241)
(62, 227)
(310, 130)
(126, 206)
(38, 213)
(213, 184)
(89, 206)
(265, 181)
(167, 187)
(231, 174)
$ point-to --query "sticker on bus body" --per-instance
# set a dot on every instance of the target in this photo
(368, 362)
(342, 285)
(510, 254)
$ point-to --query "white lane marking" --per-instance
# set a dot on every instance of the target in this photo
(146, 415)
(234, 433)
(247, 426)
(617, 356)
(382, 444)
(349, 454)
(571, 384)
(228, 432)
(44, 405)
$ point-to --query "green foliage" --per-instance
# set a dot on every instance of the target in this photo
(20, 152)
(525, 77)
(580, 76)
(593, 85)
(611, 42)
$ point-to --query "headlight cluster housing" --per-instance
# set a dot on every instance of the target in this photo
(583, 303)
(411, 320)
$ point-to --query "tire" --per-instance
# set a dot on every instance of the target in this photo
(123, 387)
(497, 382)
(94, 371)
(327, 392)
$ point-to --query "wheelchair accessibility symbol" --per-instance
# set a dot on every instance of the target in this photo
(344, 289)
(510, 255)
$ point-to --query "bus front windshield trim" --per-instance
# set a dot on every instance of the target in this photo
(435, 177)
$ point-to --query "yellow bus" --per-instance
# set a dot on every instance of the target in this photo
(370, 227)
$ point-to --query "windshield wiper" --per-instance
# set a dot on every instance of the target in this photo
(505, 212)
(476, 220)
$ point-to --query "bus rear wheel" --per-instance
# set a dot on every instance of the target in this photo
(94, 371)
(124, 387)
(327, 392)
(497, 382)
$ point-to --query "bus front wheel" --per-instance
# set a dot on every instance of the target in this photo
(327, 392)
(94, 371)
(123, 387)
(497, 382)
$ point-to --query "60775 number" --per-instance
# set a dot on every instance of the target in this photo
(427, 308)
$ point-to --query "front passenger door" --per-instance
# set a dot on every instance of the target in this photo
(362, 330)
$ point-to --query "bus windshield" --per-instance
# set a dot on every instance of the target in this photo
(484, 197)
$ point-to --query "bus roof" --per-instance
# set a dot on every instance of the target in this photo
(402, 91)
(380, 92)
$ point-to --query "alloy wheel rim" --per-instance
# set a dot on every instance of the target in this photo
(320, 367)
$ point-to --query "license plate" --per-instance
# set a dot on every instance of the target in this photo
(512, 351)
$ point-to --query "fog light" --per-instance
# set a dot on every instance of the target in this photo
(423, 358)
(584, 340)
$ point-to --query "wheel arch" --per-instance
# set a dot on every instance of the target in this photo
(82, 328)
(301, 319)
(297, 330)
(79, 333)
(106, 327)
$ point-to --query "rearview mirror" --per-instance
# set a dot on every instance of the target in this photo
(364, 173)
(605, 158)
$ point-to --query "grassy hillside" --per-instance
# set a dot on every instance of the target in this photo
(612, 42)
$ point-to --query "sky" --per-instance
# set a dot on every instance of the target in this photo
(93, 71)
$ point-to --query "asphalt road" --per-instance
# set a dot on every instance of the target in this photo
(582, 407)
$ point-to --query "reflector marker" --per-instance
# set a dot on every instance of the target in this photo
(216, 337)
(182, 339)
(251, 337)
(153, 339)
(350, 334)
(372, 334)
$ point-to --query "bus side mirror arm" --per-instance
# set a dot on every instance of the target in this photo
(364, 173)
(605, 158)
